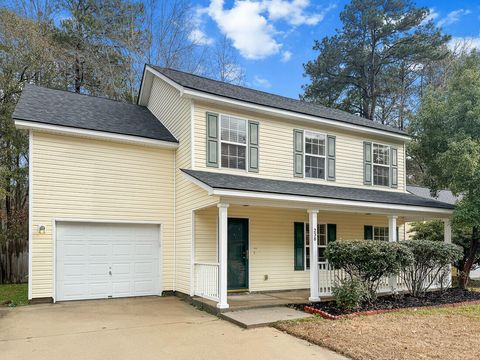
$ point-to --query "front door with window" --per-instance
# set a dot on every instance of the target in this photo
(237, 277)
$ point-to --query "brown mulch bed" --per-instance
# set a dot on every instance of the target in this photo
(450, 296)
(447, 333)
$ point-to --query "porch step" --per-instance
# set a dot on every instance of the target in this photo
(260, 317)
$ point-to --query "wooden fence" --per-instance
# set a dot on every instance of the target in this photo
(13, 262)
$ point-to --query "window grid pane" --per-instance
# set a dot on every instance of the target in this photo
(234, 131)
(314, 167)
(322, 242)
(381, 175)
(380, 233)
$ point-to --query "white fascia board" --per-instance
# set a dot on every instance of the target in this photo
(198, 95)
(199, 183)
(166, 79)
(101, 135)
(314, 201)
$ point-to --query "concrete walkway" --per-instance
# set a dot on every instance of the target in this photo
(142, 328)
(253, 318)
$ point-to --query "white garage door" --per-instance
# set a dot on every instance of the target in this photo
(96, 260)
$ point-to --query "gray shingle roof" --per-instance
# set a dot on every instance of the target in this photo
(247, 183)
(236, 92)
(445, 196)
(63, 108)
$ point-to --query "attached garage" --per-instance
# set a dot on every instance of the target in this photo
(106, 260)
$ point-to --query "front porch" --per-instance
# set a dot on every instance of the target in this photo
(266, 261)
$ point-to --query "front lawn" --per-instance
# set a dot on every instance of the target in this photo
(13, 294)
(440, 333)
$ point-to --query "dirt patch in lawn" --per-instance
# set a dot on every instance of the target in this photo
(451, 334)
(390, 302)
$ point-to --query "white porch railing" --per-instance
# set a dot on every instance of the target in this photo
(329, 277)
(206, 280)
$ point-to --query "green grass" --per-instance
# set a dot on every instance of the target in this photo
(13, 295)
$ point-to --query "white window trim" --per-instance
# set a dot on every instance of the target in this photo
(305, 227)
(220, 141)
(383, 165)
(313, 155)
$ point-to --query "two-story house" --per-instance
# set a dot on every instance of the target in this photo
(203, 188)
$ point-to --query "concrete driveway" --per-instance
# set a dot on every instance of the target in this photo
(141, 328)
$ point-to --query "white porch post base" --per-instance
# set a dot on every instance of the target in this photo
(222, 254)
(392, 237)
(313, 256)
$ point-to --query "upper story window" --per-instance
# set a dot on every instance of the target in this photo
(381, 165)
(233, 142)
(314, 155)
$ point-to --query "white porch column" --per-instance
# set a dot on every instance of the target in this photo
(222, 254)
(313, 255)
(447, 238)
(392, 228)
(392, 237)
(447, 231)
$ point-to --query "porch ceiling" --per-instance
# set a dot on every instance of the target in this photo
(247, 190)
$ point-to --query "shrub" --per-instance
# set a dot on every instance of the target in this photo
(369, 261)
(350, 294)
(430, 260)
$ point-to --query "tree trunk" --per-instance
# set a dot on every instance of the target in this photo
(463, 276)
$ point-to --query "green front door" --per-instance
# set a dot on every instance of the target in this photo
(237, 278)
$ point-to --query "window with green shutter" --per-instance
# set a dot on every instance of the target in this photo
(299, 245)
(212, 140)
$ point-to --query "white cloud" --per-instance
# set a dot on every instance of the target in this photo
(464, 44)
(432, 15)
(286, 56)
(294, 12)
(250, 23)
(261, 82)
(198, 37)
(453, 17)
(249, 31)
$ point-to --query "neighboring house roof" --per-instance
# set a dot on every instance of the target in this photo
(445, 196)
(64, 108)
(241, 93)
(218, 180)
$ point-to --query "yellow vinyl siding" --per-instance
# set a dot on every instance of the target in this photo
(271, 241)
(276, 149)
(175, 113)
(80, 178)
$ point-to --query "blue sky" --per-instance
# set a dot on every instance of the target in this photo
(274, 38)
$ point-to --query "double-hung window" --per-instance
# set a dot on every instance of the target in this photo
(314, 155)
(321, 242)
(233, 142)
(380, 233)
(381, 165)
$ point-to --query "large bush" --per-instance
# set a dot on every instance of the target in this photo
(430, 259)
(350, 294)
(369, 261)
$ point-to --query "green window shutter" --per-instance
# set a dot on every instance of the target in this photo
(298, 153)
(367, 163)
(253, 146)
(331, 151)
(368, 232)
(331, 232)
(299, 238)
(212, 140)
(394, 167)
(398, 233)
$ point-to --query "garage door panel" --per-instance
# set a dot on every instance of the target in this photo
(87, 253)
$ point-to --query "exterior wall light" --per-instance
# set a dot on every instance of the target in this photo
(41, 229)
